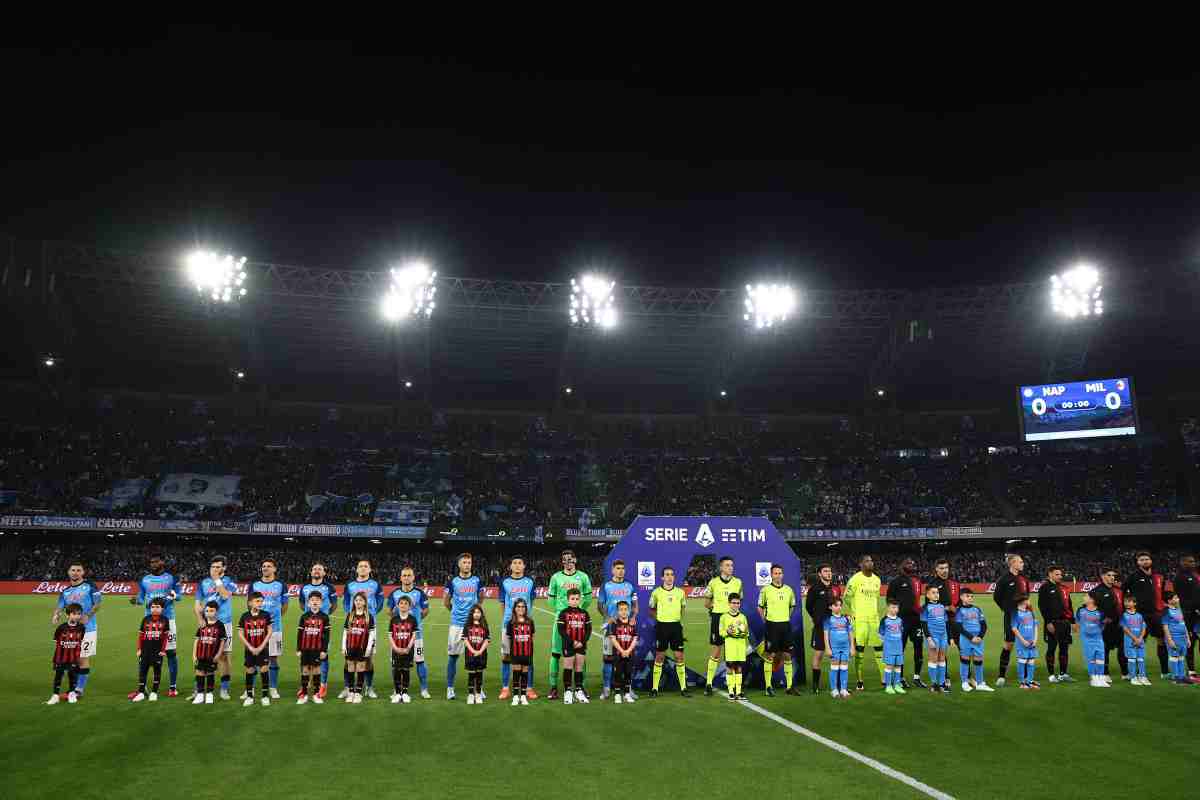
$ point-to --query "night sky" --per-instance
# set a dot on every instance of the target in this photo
(674, 168)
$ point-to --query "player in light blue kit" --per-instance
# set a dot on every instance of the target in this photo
(275, 599)
(971, 626)
(837, 643)
(936, 626)
(1133, 625)
(162, 584)
(318, 585)
(463, 592)
(1025, 628)
(891, 631)
(363, 582)
(612, 592)
(517, 586)
(88, 597)
(1089, 621)
(1176, 636)
(218, 588)
(419, 608)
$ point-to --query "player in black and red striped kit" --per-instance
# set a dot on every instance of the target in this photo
(312, 648)
(574, 630)
(476, 638)
(402, 633)
(254, 629)
(68, 643)
(153, 635)
(520, 630)
(206, 649)
(622, 634)
(358, 645)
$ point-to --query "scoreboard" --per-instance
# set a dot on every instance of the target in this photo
(1081, 410)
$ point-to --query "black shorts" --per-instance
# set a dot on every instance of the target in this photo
(356, 655)
(477, 663)
(739, 665)
(1009, 635)
(778, 637)
(571, 649)
(310, 658)
(817, 640)
(402, 660)
(714, 629)
(1154, 626)
(668, 636)
(206, 667)
(1114, 637)
(519, 661)
(259, 660)
(151, 660)
(1062, 633)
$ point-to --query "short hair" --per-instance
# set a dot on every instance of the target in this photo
(458, 558)
(215, 559)
(1009, 558)
(76, 562)
(1053, 567)
(1107, 570)
(967, 590)
(893, 602)
(1168, 596)
(270, 561)
(403, 599)
(723, 559)
(574, 590)
(929, 589)
(1141, 553)
(158, 601)
(155, 557)
(361, 559)
(824, 565)
(618, 563)
(836, 600)
(317, 595)
(1020, 597)
(320, 564)
(777, 567)
(864, 557)
(566, 553)
(619, 603)
(734, 596)
(1130, 599)
(73, 608)
(254, 596)
(665, 570)
(215, 606)
(516, 557)
(408, 567)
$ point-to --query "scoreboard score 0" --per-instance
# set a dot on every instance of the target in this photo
(1081, 410)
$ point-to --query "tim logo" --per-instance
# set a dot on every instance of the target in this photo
(704, 536)
(730, 535)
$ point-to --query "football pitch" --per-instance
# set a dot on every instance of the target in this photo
(1073, 740)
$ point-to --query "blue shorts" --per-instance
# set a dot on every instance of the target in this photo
(937, 640)
(1176, 652)
(893, 659)
(1093, 649)
(839, 652)
(968, 649)
(1026, 652)
(1135, 652)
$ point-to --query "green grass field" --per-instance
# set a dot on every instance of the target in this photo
(1122, 741)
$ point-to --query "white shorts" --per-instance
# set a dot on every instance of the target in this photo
(172, 635)
(228, 646)
(275, 644)
(454, 641)
(419, 651)
(606, 648)
(505, 645)
(88, 648)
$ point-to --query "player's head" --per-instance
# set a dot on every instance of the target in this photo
(725, 566)
(359, 603)
(74, 612)
(1054, 573)
(1188, 563)
(362, 570)
(568, 560)
(216, 567)
(574, 597)
(932, 594)
(908, 566)
(1015, 563)
(516, 566)
(735, 601)
(464, 562)
(825, 572)
(618, 571)
(622, 610)
(157, 605)
(1130, 603)
(255, 601)
(404, 604)
(1022, 601)
(210, 611)
(941, 568)
(893, 607)
(777, 574)
(866, 564)
(317, 573)
(1170, 598)
(1143, 560)
(1109, 576)
(314, 602)
(668, 576)
(835, 605)
(407, 576)
(1089, 601)
(157, 564)
(966, 596)
(75, 571)
(268, 569)
(520, 609)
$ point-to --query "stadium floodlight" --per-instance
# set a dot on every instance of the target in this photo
(408, 384)
(240, 374)
(723, 393)
(1077, 292)
(411, 293)
(220, 278)
(567, 390)
(880, 392)
(49, 362)
(768, 304)
(592, 302)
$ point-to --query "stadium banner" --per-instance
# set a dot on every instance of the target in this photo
(121, 494)
(961, 530)
(347, 531)
(403, 512)
(489, 533)
(861, 534)
(594, 534)
(196, 489)
(653, 543)
(43, 521)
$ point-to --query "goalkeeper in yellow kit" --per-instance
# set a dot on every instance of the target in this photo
(862, 605)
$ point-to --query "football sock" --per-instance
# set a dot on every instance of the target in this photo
(608, 673)
(979, 672)
(567, 679)
(451, 670)
(657, 675)
(767, 670)
(370, 678)
(787, 670)
(681, 673)
(273, 674)
(210, 682)
(505, 674)
(1005, 655)
(347, 680)
(878, 664)
(423, 675)
(250, 676)
(712, 671)
(1064, 660)
(172, 666)
(157, 677)
(396, 680)
(1162, 656)
(58, 676)
(553, 670)
(1049, 661)
(816, 678)
(529, 674)
(82, 678)
(578, 679)
(858, 664)
(225, 683)
(325, 672)
(199, 684)
(964, 669)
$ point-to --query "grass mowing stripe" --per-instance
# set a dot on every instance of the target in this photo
(907, 780)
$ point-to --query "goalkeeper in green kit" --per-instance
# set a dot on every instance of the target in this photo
(561, 582)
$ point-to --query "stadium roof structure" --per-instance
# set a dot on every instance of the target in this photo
(317, 332)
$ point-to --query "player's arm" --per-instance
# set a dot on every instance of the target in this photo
(195, 648)
(828, 646)
(708, 595)
(140, 597)
(633, 607)
(982, 626)
(654, 605)
(447, 593)
(1167, 634)
(348, 602)
(762, 606)
(587, 628)
(141, 640)
(586, 588)
(97, 598)
(283, 600)
(299, 633)
(925, 621)
(423, 603)
(59, 605)
(241, 630)
(345, 630)
(1017, 633)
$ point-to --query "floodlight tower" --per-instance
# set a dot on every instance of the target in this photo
(408, 306)
(767, 307)
(591, 310)
(222, 286)
(1076, 302)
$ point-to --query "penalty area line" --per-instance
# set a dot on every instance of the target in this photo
(878, 766)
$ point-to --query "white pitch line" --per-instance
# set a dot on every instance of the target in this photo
(551, 613)
(907, 780)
